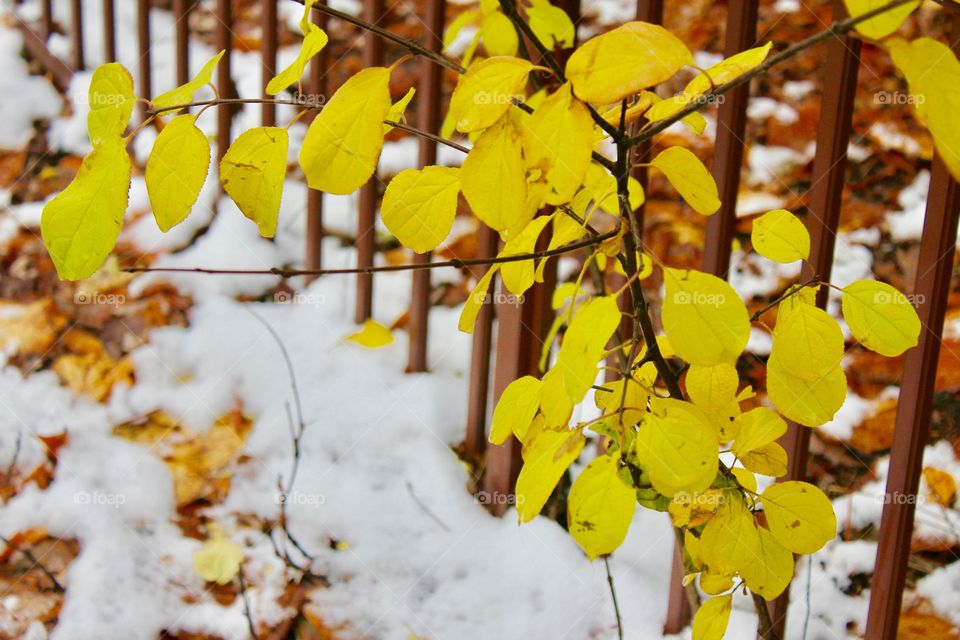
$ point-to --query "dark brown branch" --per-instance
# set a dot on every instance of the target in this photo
(36, 563)
(456, 263)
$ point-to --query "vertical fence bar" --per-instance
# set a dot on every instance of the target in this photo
(914, 408)
(268, 56)
(46, 18)
(109, 32)
(476, 438)
(316, 88)
(224, 15)
(366, 230)
(823, 218)
(76, 34)
(143, 50)
(428, 119)
(181, 27)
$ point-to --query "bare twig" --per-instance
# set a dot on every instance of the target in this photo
(455, 263)
(246, 607)
(425, 508)
(16, 456)
(36, 563)
(613, 595)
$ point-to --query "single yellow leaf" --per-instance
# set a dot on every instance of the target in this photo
(799, 515)
(397, 110)
(600, 507)
(619, 63)
(111, 103)
(727, 70)
(419, 206)
(807, 402)
(690, 178)
(710, 621)
(558, 140)
(601, 187)
(343, 144)
(880, 317)
(780, 236)
(584, 344)
(218, 560)
(712, 388)
(881, 26)
(555, 402)
(518, 276)
(767, 460)
(184, 93)
(551, 25)
(807, 341)
(498, 35)
(305, 21)
(730, 540)
(941, 485)
(704, 318)
(476, 300)
(252, 172)
(313, 43)
(372, 335)
(758, 427)
(771, 568)
(746, 478)
(176, 170)
(515, 409)
(677, 446)
(497, 158)
(638, 392)
(486, 91)
(464, 19)
(546, 458)
(81, 224)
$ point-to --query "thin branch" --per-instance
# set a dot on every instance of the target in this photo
(613, 594)
(412, 46)
(835, 30)
(795, 289)
(36, 563)
(456, 263)
(246, 607)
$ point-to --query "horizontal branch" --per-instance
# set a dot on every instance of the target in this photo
(455, 263)
(835, 30)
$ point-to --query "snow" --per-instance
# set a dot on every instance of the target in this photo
(907, 223)
(36, 99)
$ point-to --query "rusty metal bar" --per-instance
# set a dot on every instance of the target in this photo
(823, 218)
(46, 19)
(109, 32)
(429, 117)
(373, 11)
(60, 72)
(268, 56)
(76, 34)
(914, 408)
(143, 50)
(476, 439)
(728, 150)
(181, 26)
(224, 15)
(316, 88)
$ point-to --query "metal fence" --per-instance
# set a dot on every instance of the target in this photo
(522, 326)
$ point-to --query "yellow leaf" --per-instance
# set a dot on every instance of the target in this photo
(799, 515)
(518, 276)
(621, 62)
(475, 301)
(677, 447)
(882, 25)
(218, 560)
(419, 206)
(712, 388)
(807, 402)
(767, 460)
(498, 35)
(942, 486)
(486, 91)
(693, 509)
(558, 139)
(635, 401)
(111, 103)
(714, 584)
(584, 344)
(343, 144)
(551, 25)
(780, 236)
(690, 178)
(396, 111)
(731, 538)
(184, 93)
(880, 317)
(313, 43)
(600, 507)
(305, 23)
(373, 335)
(454, 28)
(601, 186)
(545, 459)
(771, 569)
(515, 409)
(807, 341)
(704, 318)
(497, 158)
(746, 478)
(933, 73)
(176, 170)
(81, 224)
(727, 70)
(710, 622)
(252, 172)
(555, 402)
(758, 427)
